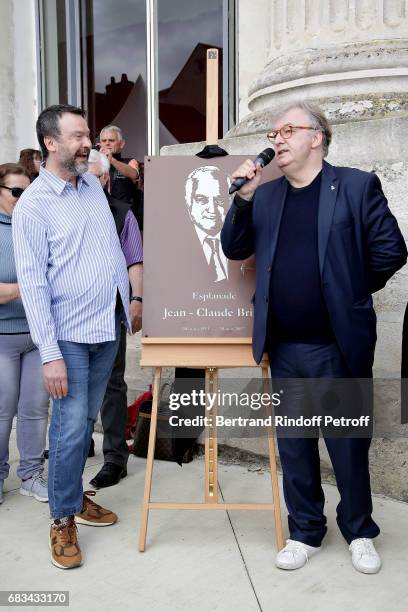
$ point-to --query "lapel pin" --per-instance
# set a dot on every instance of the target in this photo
(332, 187)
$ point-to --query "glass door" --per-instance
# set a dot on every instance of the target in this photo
(113, 47)
(186, 29)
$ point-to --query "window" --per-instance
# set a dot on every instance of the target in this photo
(94, 54)
(186, 29)
(114, 58)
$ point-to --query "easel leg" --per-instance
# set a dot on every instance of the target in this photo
(211, 447)
(274, 473)
(150, 459)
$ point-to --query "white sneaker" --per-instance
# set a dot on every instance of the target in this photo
(36, 487)
(364, 557)
(295, 555)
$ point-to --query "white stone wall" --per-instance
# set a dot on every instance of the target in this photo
(7, 119)
(253, 44)
(329, 45)
(18, 78)
(350, 56)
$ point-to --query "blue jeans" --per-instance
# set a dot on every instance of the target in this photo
(89, 367)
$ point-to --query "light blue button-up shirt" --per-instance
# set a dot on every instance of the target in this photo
(69, 262)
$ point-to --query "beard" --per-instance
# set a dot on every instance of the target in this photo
(74, 165)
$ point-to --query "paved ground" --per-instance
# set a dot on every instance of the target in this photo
(198, 561)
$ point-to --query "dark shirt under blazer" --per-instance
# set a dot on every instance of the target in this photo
(360, 247)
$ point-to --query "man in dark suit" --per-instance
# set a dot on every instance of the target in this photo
(324, 240)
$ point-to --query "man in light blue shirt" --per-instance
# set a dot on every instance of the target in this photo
(74, 284)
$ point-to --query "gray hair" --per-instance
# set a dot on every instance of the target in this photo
(112, 128)
(96, 157)
(317, 118)
(192, 180)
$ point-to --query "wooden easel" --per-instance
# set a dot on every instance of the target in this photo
(211, 354)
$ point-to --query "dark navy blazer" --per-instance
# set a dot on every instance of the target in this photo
(360, 247)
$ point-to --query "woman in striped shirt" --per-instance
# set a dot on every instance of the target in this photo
(22, 390)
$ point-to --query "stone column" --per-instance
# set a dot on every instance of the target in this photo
(27, 104)
(7, 121)
(351, 58)
(18, 78)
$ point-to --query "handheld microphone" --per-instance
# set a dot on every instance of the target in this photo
(263, 160)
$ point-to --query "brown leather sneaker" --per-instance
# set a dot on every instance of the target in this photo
(93, 514)
(65, 551)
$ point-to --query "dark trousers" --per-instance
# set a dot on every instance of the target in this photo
(114, 410)
(300, 459)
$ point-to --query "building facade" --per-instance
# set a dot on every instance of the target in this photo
(139, 64)
(349, 56)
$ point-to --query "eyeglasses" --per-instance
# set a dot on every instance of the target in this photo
(15, 191)
(286, 131)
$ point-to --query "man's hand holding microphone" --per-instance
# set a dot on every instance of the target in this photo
(248, 176)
